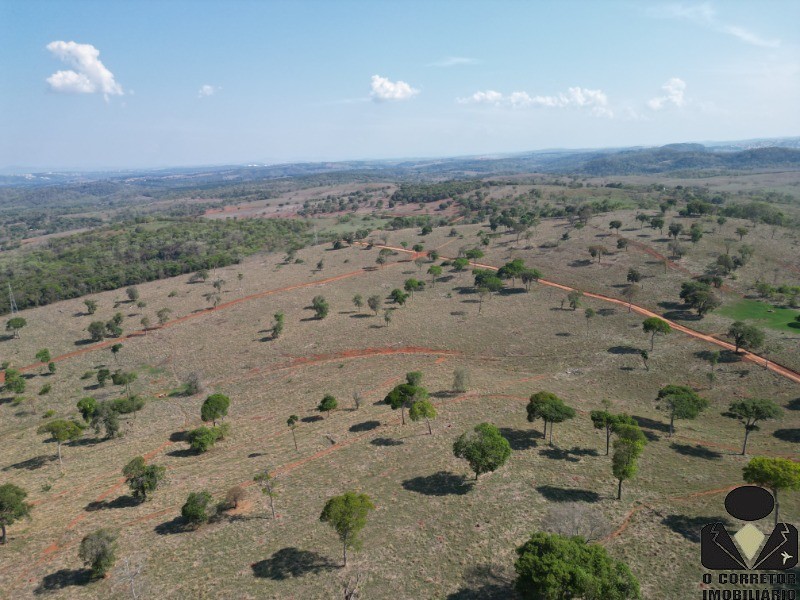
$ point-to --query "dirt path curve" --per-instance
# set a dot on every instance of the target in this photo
(746, 355)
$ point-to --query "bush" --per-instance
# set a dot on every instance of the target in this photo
(198, 509)
(234, 496)
(98, 551)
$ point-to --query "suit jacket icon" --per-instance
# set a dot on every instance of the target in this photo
(719, 552)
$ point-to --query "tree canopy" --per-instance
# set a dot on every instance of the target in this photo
(347, 515)
(484, 448)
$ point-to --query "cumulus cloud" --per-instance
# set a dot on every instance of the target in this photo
(88, 74)
(705, 15)
(577, 97)
(383, 89)
(674, 94)
(454, 61)
(207, 90)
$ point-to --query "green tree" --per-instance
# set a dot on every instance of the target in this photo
(554, 567)
(624, 462)
(115, 349)
(98, 551)
(680, 402)
(347, 515)
(460, 264)
(320, 306)
(266, 481)
(741, 232)
(12, 507)
(87, 407)
(387, 317)
(622, 244)
(675, 229)
(143, 479)
(43, 356)
(484, 448)
(745, 336)
(645, 355)
(14, 324)
(602, 419)
(215, 408)
(91, 306)
(403, 396)
(163, 316)
(413, 285)
(655, 326)
(615, 225)
(434, 271)
(277, 327)
(512, 270)
(97, 330)
(103, 375)
(61, 431)
(125, 379)
(751, 411)
(374, 303)
(398, 296)
(14, 382)
(358, 301)
(291, 422)
(198, 509)
(634, 276)
(460, 380)
(202, 439)
(773, 473)
(550, 408)
(423, 409)
(529, 276)
(327, 404)
(574, 299)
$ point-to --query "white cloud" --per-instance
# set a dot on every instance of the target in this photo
(705, 15)
(674, 95)
(576, 97)
(454, 61)
(90, 75)
(207, 90)
(383, 89)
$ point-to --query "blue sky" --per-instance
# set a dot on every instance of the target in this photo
(150, 84)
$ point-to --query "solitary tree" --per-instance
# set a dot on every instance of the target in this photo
(589, 313)
(423, 409)
(215, 408)
(374, 303)
(530, 276)
(398, 296)
(12, 507)
(43, 356)
(745, 336)
(751, 411)
(634, 276)
(291, 422)
(624, 462)
(277, 327)
(163, 316)
(554, 567)
(327, 404)
(320, 306)
(615, 225)
(14, 381)
(14, 324)
(202, 439)
(347, 514)
(143, 479)
(655, 326)
(645, 355)
(484, 448)
(774, 473)
(61, 431)
(98, 550)
(91, 306)
(266, 481)
(460, 380)
(574, 299)
(550, 408)
(741, 232)
(358, 301)
(387, 317)
(434, 271)
(403, 396)
(680, 402)
(126, 379)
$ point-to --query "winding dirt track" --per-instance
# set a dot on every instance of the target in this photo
(750, 356)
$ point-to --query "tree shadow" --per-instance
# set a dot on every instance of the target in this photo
(689, 527)
(725, 356)
(360, 316)
(558, 454)
(63, 578)
(787, 435)
(622, 350)
(179, 436)
(183, 453)
(559, 494)
(607, 312)
(311, 419)
(486, 582)
(581, 263)
(648, 423)
(696, 451)
(563, 333)
(291, 562)
(118, 502)
(365, 426)
(171, 527)
(84, 342)
(439, 484)
(31, 464)
(520, 439)
(382, 441)
(794, 404)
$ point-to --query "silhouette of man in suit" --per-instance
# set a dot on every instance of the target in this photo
(747, 549)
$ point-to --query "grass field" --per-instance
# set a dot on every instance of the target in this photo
(762, 315)
(435, 533)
